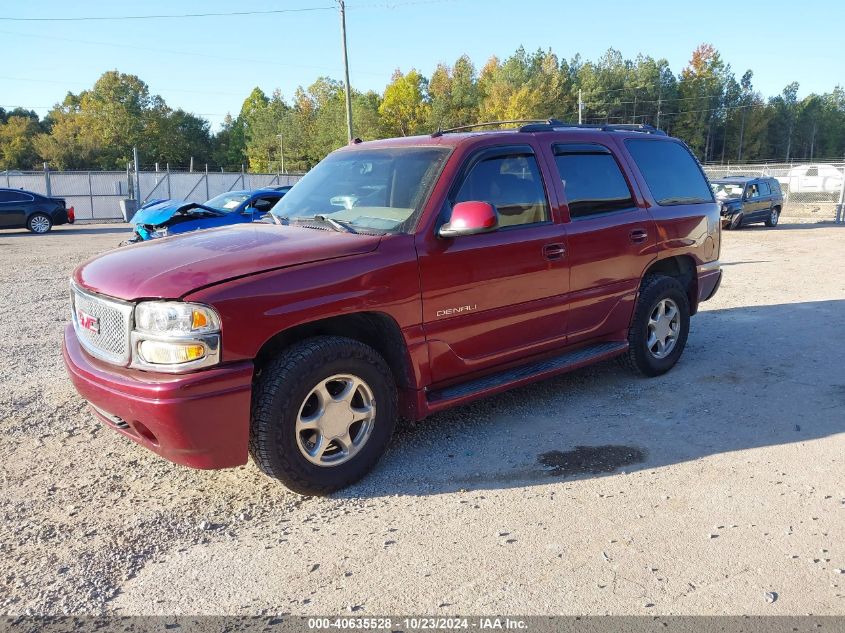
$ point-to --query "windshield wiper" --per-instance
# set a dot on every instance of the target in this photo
(337, 225)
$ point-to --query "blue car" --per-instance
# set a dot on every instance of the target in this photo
(160, 218)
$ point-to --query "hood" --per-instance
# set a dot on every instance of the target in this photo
(171, 267)
(161, 211)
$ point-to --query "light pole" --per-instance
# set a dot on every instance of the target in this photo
(346, 69)
(282, 149)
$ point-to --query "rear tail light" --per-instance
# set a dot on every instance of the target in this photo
(71, 215)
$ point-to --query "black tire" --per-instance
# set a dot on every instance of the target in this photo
(735, 223)
(37, 223)
(653, 290)
(773, 218)
(282, 387)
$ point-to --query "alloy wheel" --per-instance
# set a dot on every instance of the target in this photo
(664, 327)
(335, 420)
(39, 224)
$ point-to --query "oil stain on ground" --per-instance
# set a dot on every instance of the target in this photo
(591, 460)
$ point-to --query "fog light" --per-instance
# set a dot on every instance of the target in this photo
(162, 353)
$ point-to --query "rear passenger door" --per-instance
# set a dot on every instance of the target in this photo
(13, 208)
(611, 239)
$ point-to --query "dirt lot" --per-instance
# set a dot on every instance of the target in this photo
(740, 489)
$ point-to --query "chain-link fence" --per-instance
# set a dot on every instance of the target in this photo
(811, 191)
(96, 195)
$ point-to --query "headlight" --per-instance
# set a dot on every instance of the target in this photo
(172, 336)
(174, 318)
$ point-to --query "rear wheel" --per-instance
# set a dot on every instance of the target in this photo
(323, 412)
(659, 329)
(39, 223)
(773, 218)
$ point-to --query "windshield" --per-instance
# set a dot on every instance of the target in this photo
(227, 201)
(724, 190)
(379, 190)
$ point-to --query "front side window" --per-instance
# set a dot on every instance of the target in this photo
(672, 174)
(381, 190)
(592, 182)
(753, 191)
(511, 183)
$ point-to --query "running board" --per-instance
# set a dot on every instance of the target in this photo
(500, 381)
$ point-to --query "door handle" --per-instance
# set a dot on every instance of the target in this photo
(639, 235)
(554, 251)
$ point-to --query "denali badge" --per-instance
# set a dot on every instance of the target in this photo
(90, 323)
(450, 311)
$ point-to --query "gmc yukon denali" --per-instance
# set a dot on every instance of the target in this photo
(398, 278)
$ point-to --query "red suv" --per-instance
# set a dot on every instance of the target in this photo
(398, 278)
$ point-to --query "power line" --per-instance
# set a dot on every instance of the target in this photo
(123, 45)
(165, 16)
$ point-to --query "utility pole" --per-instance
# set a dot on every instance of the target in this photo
(282, 150)
(657, 122)
(346, 69)
(580, 108)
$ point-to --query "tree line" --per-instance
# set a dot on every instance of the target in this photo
(721, 117)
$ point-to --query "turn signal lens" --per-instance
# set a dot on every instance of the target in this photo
(199, 320)
(161, 353)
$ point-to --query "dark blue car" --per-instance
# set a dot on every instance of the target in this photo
(160, 218)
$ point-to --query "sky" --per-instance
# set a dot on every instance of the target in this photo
(208, 65)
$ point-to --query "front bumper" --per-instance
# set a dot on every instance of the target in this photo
(199, 419)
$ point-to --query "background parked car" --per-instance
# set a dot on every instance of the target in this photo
(26, 209)
(820, 179)
(747, 200)
(161, 218)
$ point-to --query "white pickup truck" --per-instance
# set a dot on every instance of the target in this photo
(817, 178)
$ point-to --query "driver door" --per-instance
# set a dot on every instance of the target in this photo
(495, 297)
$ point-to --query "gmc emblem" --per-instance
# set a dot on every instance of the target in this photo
(88, 322)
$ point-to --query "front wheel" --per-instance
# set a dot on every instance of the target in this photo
(659, 329)
(735, 223)
(39, 223)
(323, 412)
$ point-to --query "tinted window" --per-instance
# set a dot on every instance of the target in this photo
(592, 183)
(813, 171)
(14, 196)
(764, 188)
(670, 171)
(512, 184)
(775, 186)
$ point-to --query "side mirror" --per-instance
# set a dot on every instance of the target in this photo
(469, 218)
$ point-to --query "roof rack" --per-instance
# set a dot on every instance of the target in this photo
(546, 125)
(460, 128)
(552, 124)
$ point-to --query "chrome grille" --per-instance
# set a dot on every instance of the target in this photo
(106, 338)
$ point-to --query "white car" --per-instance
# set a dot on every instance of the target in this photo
(819, 178)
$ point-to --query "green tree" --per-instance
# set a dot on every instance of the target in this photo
(17, 142)
(405, 108)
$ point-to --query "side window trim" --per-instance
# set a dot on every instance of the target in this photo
(489, 153)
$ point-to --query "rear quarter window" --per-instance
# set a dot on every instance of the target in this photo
(672, 174)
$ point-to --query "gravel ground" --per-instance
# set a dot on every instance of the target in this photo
(710, 487)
